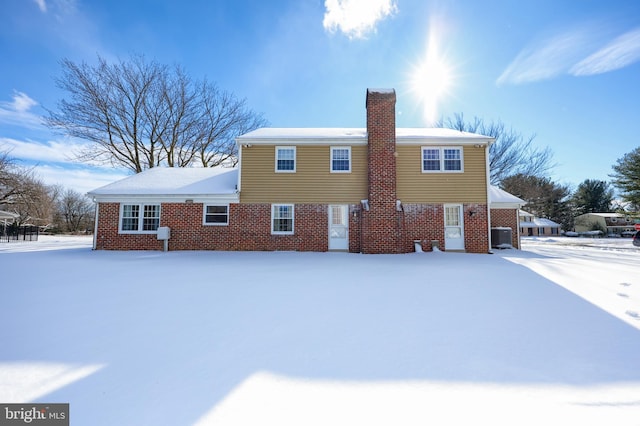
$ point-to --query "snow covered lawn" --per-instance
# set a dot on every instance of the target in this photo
(547, 335)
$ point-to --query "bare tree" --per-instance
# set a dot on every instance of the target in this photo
(75, 210)
(141, 114)
(21, 192)
(511, 153)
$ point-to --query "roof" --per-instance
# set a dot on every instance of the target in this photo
(617, 215)
(8, 215)
(539, 223)
(173, 182)
(269, 135)
(499, 198)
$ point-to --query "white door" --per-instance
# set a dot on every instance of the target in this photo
(339, 227)
(453, 227)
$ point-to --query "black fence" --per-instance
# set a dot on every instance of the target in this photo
(18, 233)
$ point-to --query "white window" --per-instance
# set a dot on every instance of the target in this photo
(139, 218)
(282, 219)
(341, 159)
(216, 215)
(286, 159)
(442, 159)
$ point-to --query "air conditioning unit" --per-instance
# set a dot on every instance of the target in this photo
(501, 237)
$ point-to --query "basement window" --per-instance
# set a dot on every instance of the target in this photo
(139, 218)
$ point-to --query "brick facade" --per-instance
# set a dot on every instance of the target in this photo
(507, 218)
(249, 228)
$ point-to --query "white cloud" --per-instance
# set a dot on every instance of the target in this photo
(54, 151)
(80, 179)
(547, 59)
(356, 18)
(42, 5)
(16, 112)
(619, 53)
(53, 163)
(22, 102)
(572, 53)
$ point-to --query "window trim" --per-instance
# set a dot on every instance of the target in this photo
(346, 148)
(295, 160)
(441, 158)
(273, 218)
(140, 218)
(204, 215)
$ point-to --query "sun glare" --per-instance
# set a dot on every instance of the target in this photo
(431, 79)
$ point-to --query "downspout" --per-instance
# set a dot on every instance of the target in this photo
(95, 226)
(488, 178)
(518, 225)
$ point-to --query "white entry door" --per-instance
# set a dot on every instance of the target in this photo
(339, 227)
(453, 227)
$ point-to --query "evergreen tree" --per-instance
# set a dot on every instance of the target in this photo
(627, 177)
(593, 196)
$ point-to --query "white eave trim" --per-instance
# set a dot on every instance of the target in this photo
(499, 205)
(246, 143)
(439, 140)
(159, 198)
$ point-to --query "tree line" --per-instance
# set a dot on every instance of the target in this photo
(50, 207)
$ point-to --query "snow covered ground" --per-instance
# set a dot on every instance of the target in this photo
(547, 335)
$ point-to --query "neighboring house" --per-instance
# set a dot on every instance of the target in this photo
(5, 219)
(8, 217)
(367, 190)
(532, 226)
(613, 223)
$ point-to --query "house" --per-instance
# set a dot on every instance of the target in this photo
(609, 223)
(532, 226)
(377, 189)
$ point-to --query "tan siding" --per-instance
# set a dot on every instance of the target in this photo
(312, 181)
(413, 186)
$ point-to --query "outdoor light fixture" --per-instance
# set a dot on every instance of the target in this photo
(365, 204)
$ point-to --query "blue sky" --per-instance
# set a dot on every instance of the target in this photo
(566, 71)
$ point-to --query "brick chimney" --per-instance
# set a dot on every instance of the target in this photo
(382, 223)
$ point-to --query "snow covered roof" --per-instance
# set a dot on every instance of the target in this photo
(173, 182)
(616, 215)
(539, 223)
(270, 135)
(8, 215)
(499, 198)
